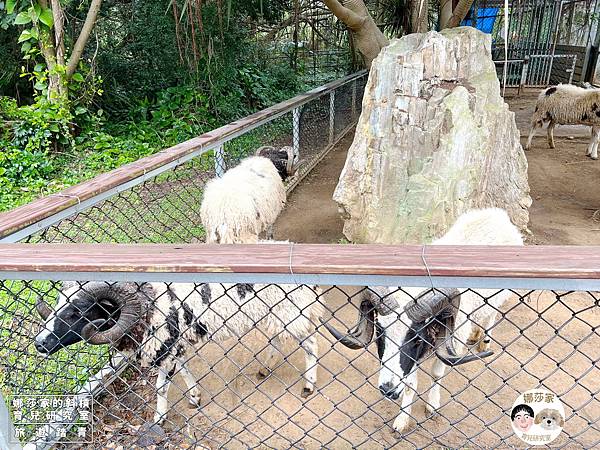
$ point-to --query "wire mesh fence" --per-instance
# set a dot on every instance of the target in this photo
(248, 364)
(157, 199)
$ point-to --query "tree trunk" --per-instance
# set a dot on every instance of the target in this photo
(59, 20)
(429, 152)
(53, 48)
(445, 12)
(459, 13)
(418, 16)
(56, 85)
(367, 36)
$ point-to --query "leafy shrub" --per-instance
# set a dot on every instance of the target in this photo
(36, 128)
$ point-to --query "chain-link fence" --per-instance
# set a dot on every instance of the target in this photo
(222, 352)
(157, 199)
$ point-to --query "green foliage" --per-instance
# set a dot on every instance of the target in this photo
(141, 90)
(35, 127)
(28, 135)
(139, 56)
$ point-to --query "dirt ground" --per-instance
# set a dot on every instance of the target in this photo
(563, 181)
(319, 223)
(348, 411)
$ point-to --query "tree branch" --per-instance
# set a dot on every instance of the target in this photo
(350, 18)
(88, 25)
(460, 12)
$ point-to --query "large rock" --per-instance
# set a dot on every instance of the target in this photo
(434, 139)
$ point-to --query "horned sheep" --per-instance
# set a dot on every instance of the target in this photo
(565, 104)
(161, 325)
(411, 322)
(247, 199)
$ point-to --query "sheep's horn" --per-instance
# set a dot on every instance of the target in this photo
(361, 335)
(42, 308)
(430, 303)
(259, 150)
(446, 352)
(290, 160)
(438, 302)
(131, 309)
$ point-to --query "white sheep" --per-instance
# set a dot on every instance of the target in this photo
(414, 321)
(565, 104)
(163, 324)
(246, 201)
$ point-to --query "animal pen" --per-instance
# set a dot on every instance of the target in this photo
(85, 396)
(547, 41)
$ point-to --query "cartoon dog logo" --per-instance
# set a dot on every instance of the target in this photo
(549, 419)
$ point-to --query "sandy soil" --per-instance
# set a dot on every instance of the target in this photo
(348, 411)
(563, 181)
(310, 215)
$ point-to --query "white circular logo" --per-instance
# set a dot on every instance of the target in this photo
(537, 417)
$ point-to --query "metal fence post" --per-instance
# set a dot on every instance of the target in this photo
(572, 69)
(524, 74)
(296, 131)
(331, 116)
(219, 161)
(353, 98)
(550, 69)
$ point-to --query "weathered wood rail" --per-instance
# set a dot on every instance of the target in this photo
(546, 262)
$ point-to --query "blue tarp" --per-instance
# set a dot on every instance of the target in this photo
(485, 19)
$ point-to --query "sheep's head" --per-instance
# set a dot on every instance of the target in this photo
(97, 312)
(406, 334)
(284, 159)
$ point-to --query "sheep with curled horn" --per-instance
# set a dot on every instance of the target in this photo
(162, 325)
(413, 323)
(248, 198)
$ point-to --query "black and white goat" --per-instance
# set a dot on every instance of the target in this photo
(247, 199)
(411, 323)
(161, 325)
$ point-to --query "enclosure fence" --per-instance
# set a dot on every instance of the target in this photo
(230, 346)
(157, 199)
(537, 70)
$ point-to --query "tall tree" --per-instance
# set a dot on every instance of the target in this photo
(419, 16)
(44, 26)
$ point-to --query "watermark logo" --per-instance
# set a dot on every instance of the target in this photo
(537, 417)
(53, 418)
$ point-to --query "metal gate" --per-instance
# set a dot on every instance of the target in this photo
(537, 70)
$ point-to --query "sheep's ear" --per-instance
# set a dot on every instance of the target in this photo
(561, 422)
(538, 418)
